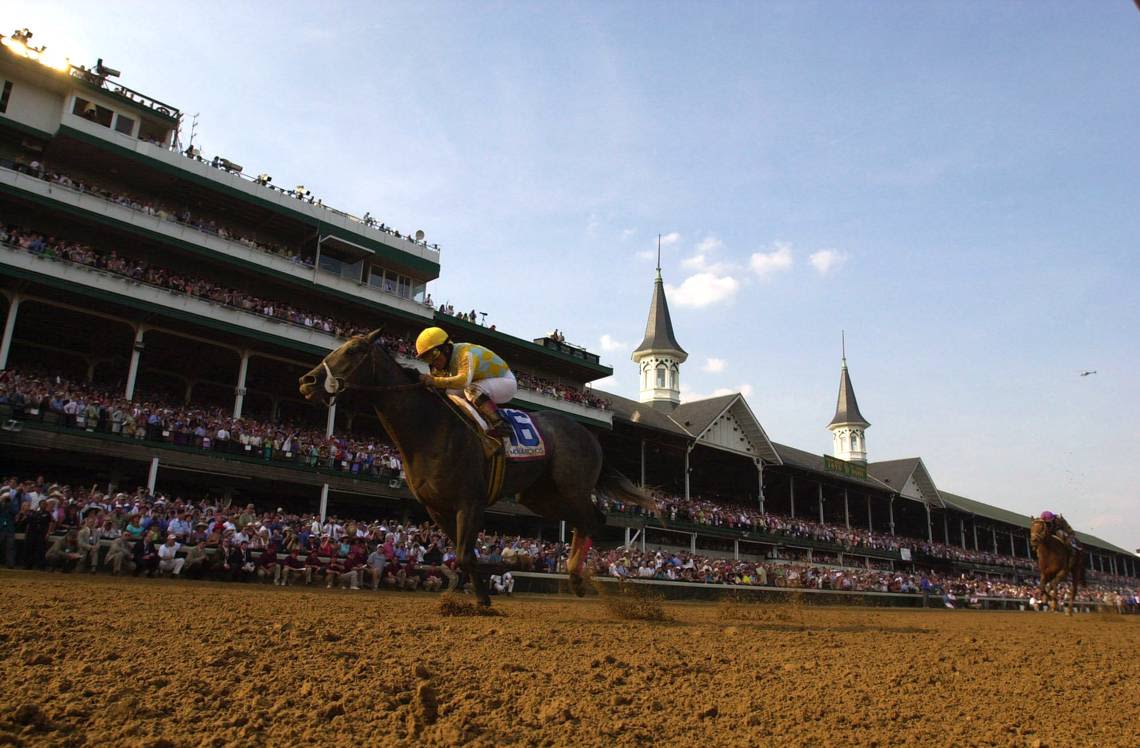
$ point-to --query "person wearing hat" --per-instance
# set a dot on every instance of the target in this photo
(483, 377)
(168, 562)
(64, 553)
(1057, 525)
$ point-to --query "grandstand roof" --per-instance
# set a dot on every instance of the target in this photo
(659, 327)
(642, 414)
(696, 415)
(700, 417)
(970, 506)
(814, 463)
(847, 407)
(909, 478)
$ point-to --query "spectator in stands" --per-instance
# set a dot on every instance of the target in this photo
(64, 553)
(503, 584)
(293, 567)
(8, 528)
(169, 563)
(197, 562)
(268, 566)
(121, 554)
(38, 524)
(88, 542)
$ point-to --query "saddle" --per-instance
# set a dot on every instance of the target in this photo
(523, 445)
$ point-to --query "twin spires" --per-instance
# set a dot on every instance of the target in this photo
(659, 356)
(848, 426)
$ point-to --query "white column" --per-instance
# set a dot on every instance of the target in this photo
(331, 420)
(760, 483)
(870, 524)
(792, 493)
(693, 544)
(736, 550)
(642, 462)
(891, 510)
(627, 538)
(929, 524)
(136, 353)
(687, 450)
(974, 522)
(819, 496)
(9, 331)
(152, 477)
(324, 502)
(846, 510)
(239, 391)
(562, 531)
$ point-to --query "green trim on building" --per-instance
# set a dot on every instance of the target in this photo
(23, 129)
(429, 269)
(146, 306)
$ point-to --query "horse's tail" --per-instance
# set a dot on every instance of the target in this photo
(617, 485)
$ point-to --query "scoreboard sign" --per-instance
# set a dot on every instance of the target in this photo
(850, 469)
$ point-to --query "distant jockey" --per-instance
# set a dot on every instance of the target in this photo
(1057, 525)
(484, 378)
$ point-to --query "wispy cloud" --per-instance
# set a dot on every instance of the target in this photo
(626, 233)
(609, 344)
(667, 240)
(703, 289)
(688, 396)
(778, 260)
(826, 260)
(714, 365)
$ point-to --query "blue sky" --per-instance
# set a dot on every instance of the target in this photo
(954, 185)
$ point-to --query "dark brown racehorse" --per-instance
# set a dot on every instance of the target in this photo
(444, 458)
(1056, 562)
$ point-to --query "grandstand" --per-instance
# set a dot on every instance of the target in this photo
(178, 299)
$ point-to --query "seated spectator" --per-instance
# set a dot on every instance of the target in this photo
(64, 554)
(121, 554)
(269, 566)
(168, 562)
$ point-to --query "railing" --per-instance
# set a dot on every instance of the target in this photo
(117, 89)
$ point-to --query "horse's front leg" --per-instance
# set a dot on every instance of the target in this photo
(468, 523)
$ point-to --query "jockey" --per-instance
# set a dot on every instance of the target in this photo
(484, 378)
(1056, 524)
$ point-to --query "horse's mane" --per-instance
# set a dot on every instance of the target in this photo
(411, 372)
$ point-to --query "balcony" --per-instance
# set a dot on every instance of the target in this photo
(413, 252)
(179, 233)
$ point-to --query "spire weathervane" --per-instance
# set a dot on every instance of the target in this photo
(659, 257)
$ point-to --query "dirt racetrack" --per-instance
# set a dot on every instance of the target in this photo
(103, 661)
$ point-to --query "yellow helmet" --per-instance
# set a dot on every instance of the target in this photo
(429, 340)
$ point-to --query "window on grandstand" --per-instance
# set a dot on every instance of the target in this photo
(394, 283)
(125, 125)
(342, 268)
(7, 94)
(90, 111)
(152, 133)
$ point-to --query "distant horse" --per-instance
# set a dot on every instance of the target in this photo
(1056, 561)
(445, 457)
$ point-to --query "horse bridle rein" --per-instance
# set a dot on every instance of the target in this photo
(335, 385)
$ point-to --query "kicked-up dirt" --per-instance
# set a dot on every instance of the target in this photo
(103, 661)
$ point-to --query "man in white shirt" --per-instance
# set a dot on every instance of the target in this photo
(503, 584)
(167, 563)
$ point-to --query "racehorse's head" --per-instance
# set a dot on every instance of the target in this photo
(1037, 532)
(339, 369)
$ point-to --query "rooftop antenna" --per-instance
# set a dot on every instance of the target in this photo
(193, 128)
(843, 343)
(659, 257)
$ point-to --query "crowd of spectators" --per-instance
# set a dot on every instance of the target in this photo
(151, 207)
(96, 409)
(50, 247)
(85, 529)
(697, 510)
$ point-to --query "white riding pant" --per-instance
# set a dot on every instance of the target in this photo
(499, 389)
